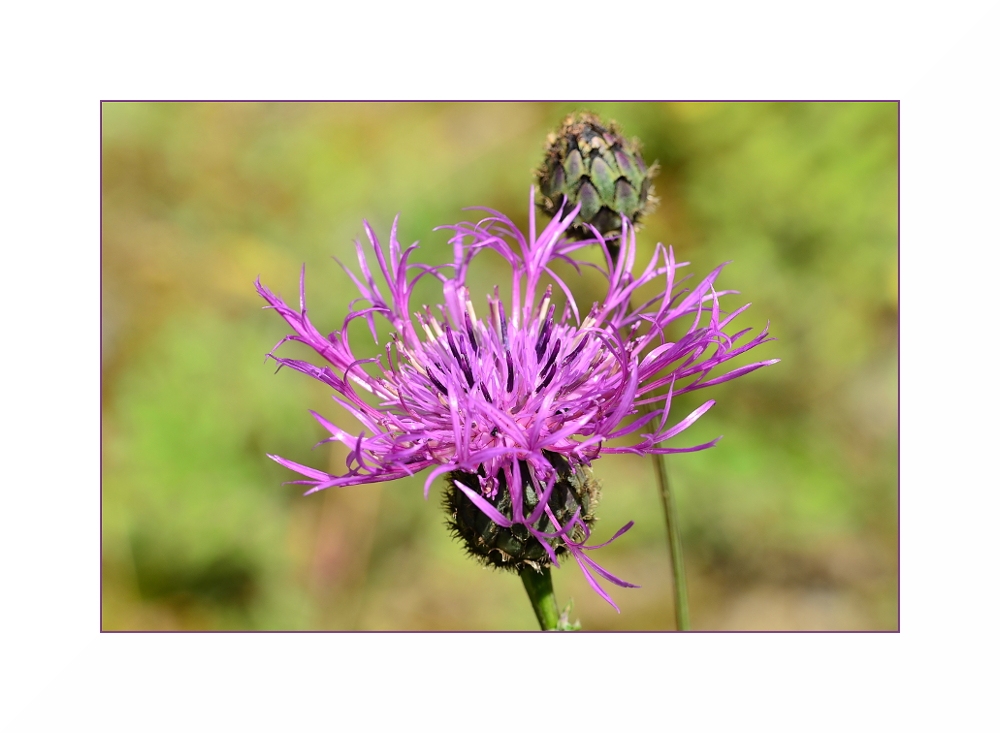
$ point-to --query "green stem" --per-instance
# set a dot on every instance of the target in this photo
(543, 598)
(674, 540)
(673, 533)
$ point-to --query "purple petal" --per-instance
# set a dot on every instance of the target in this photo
(484, 506)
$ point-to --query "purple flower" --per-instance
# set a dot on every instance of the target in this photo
(506, 401)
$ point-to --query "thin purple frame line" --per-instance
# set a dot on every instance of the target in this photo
(499, 101)
(503, 631)
(899, 361)
(100, 390)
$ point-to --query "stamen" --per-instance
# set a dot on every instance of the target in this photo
(437, 383)
(545, 383)
(424, 325)
(451, 340)
(433, 323)
(545, 300)
(576, 352)
(472, 335)
(503, 324)
(543, 339)
(468, 305)
(466, 369)
(494, 303)
(549, 367)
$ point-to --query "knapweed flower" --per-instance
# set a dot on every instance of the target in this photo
(515, 406)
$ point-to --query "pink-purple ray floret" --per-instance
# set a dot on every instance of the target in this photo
(460, 391)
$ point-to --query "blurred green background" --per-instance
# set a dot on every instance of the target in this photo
(789, 523)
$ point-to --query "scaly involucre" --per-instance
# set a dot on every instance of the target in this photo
(485, 395)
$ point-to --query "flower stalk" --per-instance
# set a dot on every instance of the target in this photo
(674, 542)
(538, 584)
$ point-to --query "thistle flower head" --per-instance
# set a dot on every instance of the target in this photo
(514, 403)
(593, 165)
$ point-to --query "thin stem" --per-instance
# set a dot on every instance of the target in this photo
(673, 525)
(674, 541)
(538, 583)
(674, 546)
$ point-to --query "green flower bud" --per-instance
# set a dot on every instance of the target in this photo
(592, 165)
(514, 548)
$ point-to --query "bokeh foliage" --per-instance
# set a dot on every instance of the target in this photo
(789, 523)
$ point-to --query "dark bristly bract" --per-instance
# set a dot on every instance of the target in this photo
(513, 403)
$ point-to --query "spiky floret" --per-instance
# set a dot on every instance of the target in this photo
(593, 165)
(491, 400)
